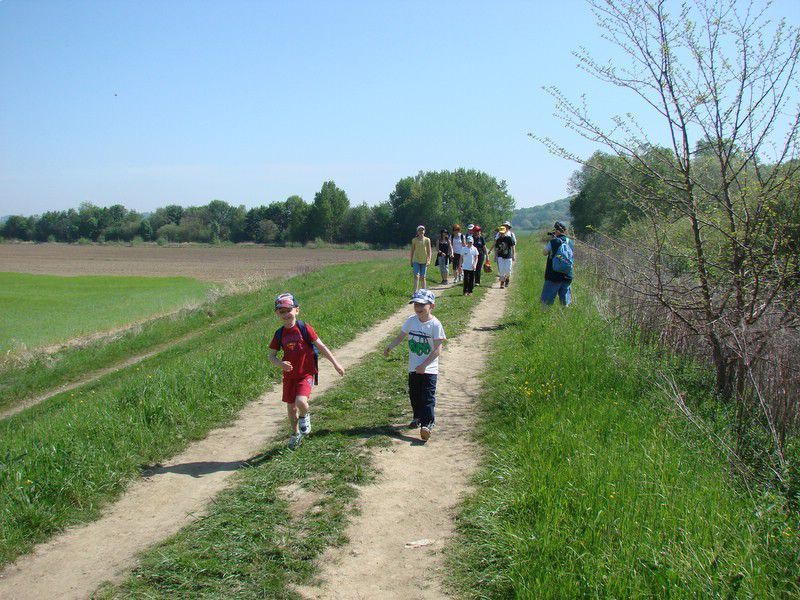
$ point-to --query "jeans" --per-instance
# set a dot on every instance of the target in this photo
(420, 269)
(422, 393)
(551, 288)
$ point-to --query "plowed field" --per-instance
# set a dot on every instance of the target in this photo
(206, 263)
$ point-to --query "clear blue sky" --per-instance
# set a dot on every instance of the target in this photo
(152, 103)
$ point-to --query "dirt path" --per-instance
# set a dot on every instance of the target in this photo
(75, 563)
(419, 487)
(95, 375)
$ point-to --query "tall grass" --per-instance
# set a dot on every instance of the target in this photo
(593, 487)
(62, 460)
(250, 545)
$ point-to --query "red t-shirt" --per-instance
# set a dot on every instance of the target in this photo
(296, 351)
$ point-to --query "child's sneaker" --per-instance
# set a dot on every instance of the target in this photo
(414, 424)
(425, 432)
(295, 440)
(305, 424)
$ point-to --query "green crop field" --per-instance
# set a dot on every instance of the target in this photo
(45, 309)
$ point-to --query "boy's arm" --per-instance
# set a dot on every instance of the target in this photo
(437, 350)
(323, 349)
(283, 364)
(398, 338)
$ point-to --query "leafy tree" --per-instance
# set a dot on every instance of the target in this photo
(721, 78)
(328, 212)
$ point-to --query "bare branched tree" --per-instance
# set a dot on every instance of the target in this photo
(716, 242)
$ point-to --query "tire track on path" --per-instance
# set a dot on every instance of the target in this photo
(168, 498)
(419, 486)
(95, 375)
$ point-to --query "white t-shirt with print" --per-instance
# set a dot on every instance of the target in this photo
(470, 254)
(420, 342)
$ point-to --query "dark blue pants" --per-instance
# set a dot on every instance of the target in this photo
(422, 392)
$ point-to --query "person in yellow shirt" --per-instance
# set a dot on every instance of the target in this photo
(420, 258)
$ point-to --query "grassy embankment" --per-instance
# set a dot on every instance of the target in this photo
(63, 459)
(592, 485)
(46, 309)
(251, 545)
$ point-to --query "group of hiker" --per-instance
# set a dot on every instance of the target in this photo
(466, 252)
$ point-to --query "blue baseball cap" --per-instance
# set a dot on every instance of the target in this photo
(469, 238)
(423, 297)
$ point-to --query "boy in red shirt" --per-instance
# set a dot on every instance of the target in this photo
(298, 364)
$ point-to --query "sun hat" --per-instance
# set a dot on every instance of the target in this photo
(423, 296)
(560, 226)
(470, 227)
(507, 224)
(469, 238)
(502, 229)
(285, 300)
(476, 228)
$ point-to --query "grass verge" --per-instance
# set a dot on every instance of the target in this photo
(62, 460)
(255, 541)
(593, 487)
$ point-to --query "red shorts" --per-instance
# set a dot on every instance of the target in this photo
(292, 387)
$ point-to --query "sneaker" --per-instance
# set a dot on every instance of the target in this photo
(414, 424)
(305, 424)
(425, 432)
(502, 285)
(295, 440)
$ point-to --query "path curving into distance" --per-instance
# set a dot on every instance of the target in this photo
(419, 486)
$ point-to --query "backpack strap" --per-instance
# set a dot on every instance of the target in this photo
(303, 332)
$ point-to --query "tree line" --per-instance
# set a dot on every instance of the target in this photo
(437, 199)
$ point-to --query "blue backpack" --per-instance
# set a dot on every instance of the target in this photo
(304, 332)
(563, 258)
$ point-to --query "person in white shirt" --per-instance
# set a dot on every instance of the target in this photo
(469, 262)
(425, 337)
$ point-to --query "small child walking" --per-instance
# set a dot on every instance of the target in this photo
(299, 364)
(469, 262)
(425, 337)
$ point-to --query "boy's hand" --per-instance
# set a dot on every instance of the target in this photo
(286, 366)
(420, 370)
(339, 369)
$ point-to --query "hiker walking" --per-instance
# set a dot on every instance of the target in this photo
(505, 250)
(420, 258)
(425, 337)
(558, 272)
(480, 245)
(458, 242)
(444, 254)
(300, 345)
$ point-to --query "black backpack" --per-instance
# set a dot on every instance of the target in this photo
(304, 333)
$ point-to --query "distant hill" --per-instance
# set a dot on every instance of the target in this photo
(541, 217)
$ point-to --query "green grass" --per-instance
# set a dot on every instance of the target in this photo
(63, 459)
(249, 546)
(44, 309)
(592, 486)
